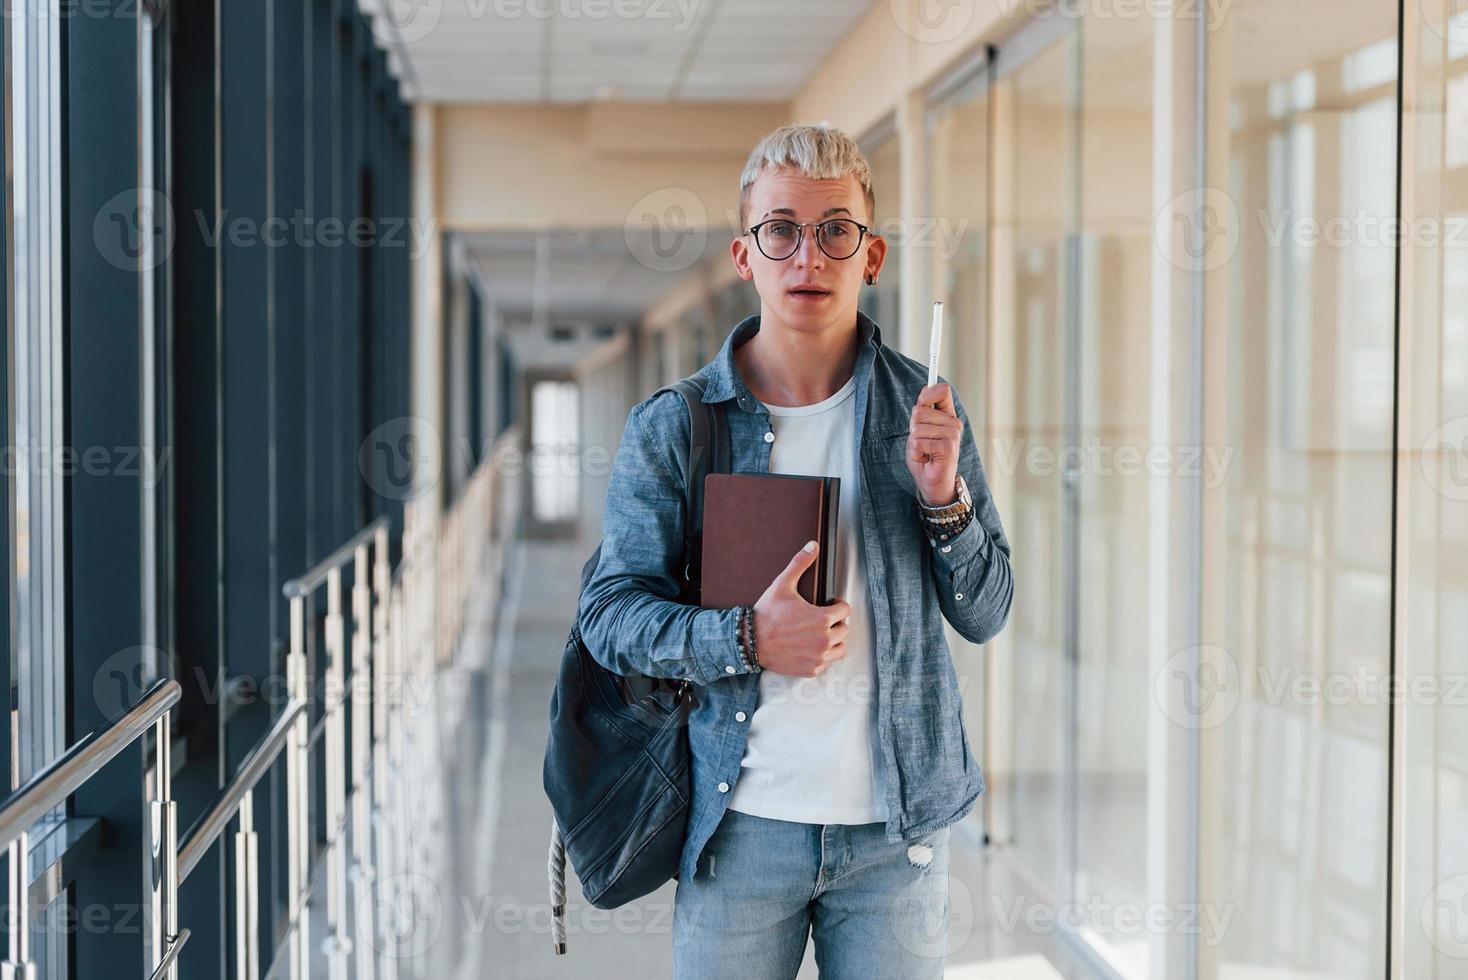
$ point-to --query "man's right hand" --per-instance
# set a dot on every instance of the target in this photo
(791, 635)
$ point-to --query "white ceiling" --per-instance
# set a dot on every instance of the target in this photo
(590, 275)
(557, 51)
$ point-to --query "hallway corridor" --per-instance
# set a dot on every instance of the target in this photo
(327, 324)
(502, 912)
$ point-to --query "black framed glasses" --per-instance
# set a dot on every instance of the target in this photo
(779, 238)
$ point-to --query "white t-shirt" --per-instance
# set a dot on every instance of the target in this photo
(813, 755)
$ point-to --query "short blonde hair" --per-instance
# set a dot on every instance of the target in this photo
(819, 151)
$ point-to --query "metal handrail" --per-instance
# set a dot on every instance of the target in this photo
(53, 785)
(380, 630)
(359, 791)
(170, 959)
(304, 585)
(212, 825)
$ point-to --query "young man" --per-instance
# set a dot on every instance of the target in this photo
(830, 755)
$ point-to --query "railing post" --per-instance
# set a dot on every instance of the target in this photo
(297, 761)
(247, 893)
(337, 946)
(396, 824)
(19, 966)
(382, 679)
(163, 855)
(363, 648)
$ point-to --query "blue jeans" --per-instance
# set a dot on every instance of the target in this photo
(876, 910)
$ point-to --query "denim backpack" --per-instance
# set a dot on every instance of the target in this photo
(618, 768)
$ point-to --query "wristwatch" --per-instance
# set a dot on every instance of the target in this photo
(956, 509)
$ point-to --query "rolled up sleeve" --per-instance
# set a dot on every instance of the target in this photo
(629, 616)
(972, 570)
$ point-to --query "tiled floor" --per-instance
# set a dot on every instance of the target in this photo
(498, 923)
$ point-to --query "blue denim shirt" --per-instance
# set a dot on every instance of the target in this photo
(631, 621)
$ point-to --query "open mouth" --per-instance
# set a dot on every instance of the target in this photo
(809, 292)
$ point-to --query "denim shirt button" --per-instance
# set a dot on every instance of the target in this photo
(740, 716)
(769, 437)
(730, 670)
(958, 595)
(947, 548)
(723, 787)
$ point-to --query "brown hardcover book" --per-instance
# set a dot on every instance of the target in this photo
(754, 523)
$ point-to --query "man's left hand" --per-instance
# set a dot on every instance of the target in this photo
(932, 445)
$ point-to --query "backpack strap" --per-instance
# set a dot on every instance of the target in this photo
(710, 450)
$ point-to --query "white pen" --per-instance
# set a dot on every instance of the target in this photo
(936, 344)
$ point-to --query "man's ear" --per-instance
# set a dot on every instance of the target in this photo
(876, 255)
(740, 253)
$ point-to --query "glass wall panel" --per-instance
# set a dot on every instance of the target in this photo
(958, 194)
(958, 150)
(1432, 577)
(883, 302)
(1033, 217)
(38, 543)
(1298, 544)
(1113, 442)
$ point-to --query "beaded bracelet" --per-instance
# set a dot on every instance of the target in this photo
(747, 649)
(949, 528)
(742, 631)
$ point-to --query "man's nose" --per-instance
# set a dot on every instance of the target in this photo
(809, 253)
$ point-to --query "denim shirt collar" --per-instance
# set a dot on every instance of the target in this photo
(722, 378)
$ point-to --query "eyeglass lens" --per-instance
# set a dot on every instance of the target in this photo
(838, 238)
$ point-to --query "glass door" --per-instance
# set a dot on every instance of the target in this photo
(1218, 383)
(957, 256)
(1298, 554)
(1030, 423)
(1430, 794)
(1055, 156)
(1109, 472)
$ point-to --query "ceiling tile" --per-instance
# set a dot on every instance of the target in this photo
(496, 50)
